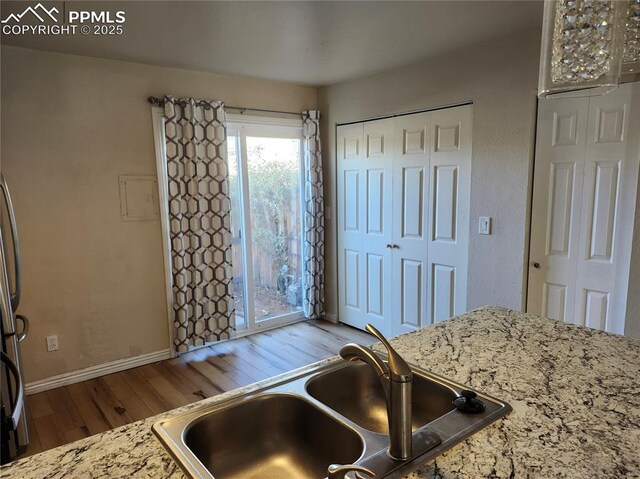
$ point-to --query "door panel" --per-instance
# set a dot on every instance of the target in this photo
(585, 183)
(596, 309)
(413, 201)
(375, 285)
(603, 201)
(352, 279)
(375, 201)
(560, 143)
(444, 280)
(377, 167)
(608, 206)
(412, 297)
(554, 301)
(365, 159)
(449, 213)
(349, 148)
(560, 208)
(410, 194)
(444, 203)
(351, 210)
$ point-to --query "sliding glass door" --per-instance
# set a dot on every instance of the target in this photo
(266, 181)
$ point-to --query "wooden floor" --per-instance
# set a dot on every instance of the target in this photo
(69, 413)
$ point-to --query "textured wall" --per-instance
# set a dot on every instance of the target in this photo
(500, 77)
(70, 126)
(632, 324)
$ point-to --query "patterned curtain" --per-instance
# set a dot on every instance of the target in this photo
(313, 241)
(200, 230)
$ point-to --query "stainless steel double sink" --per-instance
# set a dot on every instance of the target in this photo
(330, 414)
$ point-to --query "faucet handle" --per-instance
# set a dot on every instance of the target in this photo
(399, 370)
(336, 471)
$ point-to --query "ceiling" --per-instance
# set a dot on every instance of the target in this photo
(310, 43)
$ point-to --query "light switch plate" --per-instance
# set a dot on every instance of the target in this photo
(484, 225)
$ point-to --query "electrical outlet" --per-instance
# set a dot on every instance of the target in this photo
(52, 343)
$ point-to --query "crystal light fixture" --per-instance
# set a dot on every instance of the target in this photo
(631, 53)
(588, 44)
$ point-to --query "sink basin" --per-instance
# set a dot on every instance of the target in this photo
(296, 425)
(271, 437)
(356, 392)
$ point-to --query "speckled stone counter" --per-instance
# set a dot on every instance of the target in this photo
(575, 394)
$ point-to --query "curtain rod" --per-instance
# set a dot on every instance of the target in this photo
(159, 102)
(405, 113)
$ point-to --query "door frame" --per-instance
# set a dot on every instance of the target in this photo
(157, 118)
(274, 128)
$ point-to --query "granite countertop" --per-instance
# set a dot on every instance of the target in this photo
(575, 394)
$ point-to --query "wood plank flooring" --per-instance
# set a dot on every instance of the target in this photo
(69, 413)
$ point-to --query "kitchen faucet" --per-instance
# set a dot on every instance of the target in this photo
(396, 378)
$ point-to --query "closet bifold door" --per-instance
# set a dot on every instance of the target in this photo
(410, 228)
(365, 169)
(349, 151)
(378, 247)
(555, 213)
(403, 219)
(584, 200)
(609, 201)
(449, 201)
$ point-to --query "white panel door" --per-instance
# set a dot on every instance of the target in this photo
(608, 208)
(448, 215)
(378, 210)
(350, 222)
(555, 214)
(365, 169)
(410, 239)
(403, 219)
(584, 208)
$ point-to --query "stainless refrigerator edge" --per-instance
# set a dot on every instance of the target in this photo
(14, 329)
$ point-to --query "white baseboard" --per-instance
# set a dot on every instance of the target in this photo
(330, 317)
(95, 371)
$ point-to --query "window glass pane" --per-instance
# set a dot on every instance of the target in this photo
(273, 166)
(236, 229)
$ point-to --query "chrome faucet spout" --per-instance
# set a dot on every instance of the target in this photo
(399, 370)
(355, 352)
(396, 378)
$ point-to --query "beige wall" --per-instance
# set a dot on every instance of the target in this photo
(500, 77)
(70, 126)
(632, 324)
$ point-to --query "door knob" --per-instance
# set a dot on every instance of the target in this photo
(390, 246)
(536, 265)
